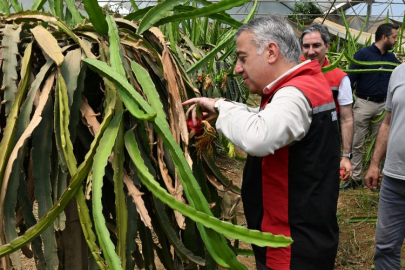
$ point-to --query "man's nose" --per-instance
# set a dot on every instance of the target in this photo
(238, 69)
(311, 50)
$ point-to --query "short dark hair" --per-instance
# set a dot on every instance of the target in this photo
(317, 27)
(385, 29)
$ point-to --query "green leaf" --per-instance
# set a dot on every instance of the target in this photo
(156, 13)
(64, 112)
(77, 101)
(16, 6)
(38, 4)
(333, 65)
(96, 16)
(149, 89)
(100, 161)
(224, 18)
(126, 94)
(120, 205)
(10, 42)
(8, 140)
(115, 47)
(244, 252)
(251, 12)
(181, 250)
(132, 247)
(209, 160)
(59, 8)
(148, 252)
(4, 7)
(77, 16)
(86, 223)
(42, 175)
(371, 63)
(133, 4)
(362, 219)
(137, 15)
(225, 42)
(29, 218)
(201, 12)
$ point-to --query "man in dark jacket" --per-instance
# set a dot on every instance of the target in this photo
(371, 90)
(291, 177)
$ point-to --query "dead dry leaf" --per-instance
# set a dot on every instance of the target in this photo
(48, 44)
(176, 190)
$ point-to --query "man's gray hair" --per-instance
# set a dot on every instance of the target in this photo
(273, 28)
(317, 27)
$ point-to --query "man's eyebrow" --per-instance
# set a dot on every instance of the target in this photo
(316, 43)
(239, 53)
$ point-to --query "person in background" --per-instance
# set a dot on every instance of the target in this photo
(390, 232)
(371, 91)
(291, 176)
(315, 43)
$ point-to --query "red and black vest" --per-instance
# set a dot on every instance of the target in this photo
(294, 191)
(334, 78)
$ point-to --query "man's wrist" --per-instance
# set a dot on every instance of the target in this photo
(217, 104)
(347, 155)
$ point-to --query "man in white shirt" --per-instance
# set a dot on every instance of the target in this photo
(315, 43)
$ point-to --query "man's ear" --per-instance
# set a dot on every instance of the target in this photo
(273, 52)
(327, 46)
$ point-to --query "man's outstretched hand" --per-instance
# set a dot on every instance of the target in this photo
(206, 106)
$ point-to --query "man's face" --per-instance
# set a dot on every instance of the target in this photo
(313, 47)
(253, 68)
(391, 40)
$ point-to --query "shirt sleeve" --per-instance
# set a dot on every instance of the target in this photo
(286, 119)
(345, 96)
(388, 102)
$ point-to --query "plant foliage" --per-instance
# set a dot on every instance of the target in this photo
(93, 130)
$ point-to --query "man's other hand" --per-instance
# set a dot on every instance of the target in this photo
(346, 165)
(373, 178)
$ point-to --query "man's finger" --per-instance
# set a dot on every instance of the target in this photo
(190, 101)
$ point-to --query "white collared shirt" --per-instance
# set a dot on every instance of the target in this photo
(260, 132)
